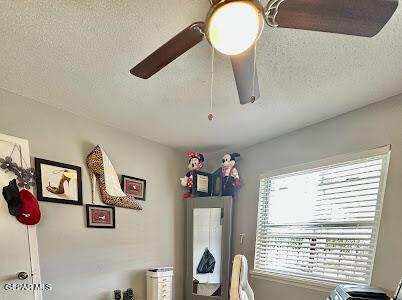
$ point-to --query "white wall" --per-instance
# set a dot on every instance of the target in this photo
(373, 126)
(87, 263)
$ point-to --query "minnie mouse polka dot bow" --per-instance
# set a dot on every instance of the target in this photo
(193, 155)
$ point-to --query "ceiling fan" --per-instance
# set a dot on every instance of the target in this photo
(233, 26)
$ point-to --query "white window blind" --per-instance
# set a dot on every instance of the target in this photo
(321, 223)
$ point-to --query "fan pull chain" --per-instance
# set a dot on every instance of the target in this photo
(210, 115)
(252, 99)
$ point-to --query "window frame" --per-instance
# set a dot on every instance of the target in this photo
(316, 284)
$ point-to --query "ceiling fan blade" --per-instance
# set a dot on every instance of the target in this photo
(243, 69)
(171, 50)
(352, 17)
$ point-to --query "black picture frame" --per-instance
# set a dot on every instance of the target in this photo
(214, 184)
(38, 168)
(90, 207)
(125, 178)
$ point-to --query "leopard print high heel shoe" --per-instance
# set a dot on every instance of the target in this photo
(101, 168)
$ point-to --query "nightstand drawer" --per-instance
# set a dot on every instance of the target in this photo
(166, 284)
(165, 279)
(165, 293)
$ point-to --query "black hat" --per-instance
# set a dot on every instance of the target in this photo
(11, 194)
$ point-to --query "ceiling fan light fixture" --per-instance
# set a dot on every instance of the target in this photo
(234, 26)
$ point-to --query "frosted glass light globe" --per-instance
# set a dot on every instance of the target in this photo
(234, 27)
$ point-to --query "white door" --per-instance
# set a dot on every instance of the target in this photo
(18, 242)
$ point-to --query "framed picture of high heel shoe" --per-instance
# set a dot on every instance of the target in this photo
(100, 216)
(134, 187)
(58, 182)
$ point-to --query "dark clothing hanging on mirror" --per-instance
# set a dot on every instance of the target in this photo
(207, 263)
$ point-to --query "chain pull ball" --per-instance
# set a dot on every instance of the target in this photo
(252, 98)
(210, 115)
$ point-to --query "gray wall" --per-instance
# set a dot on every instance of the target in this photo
(87, 263)
(373, 126)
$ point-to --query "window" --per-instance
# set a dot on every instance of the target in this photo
(321, 221)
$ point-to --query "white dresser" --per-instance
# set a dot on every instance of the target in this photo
(160, 284)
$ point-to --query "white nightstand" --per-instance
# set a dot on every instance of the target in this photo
(160, 284)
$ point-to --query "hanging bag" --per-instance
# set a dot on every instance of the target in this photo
(207, 263)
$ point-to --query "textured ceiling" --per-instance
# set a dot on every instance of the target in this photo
(76, 55)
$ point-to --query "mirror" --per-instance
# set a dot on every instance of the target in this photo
(207, 251)
(209, 221)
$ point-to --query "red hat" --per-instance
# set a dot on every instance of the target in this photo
(30, 212)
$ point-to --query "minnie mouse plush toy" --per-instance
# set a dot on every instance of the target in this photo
(195, 162)
(231, 179)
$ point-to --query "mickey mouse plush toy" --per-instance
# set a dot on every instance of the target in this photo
(195, 162)
(231, 179)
